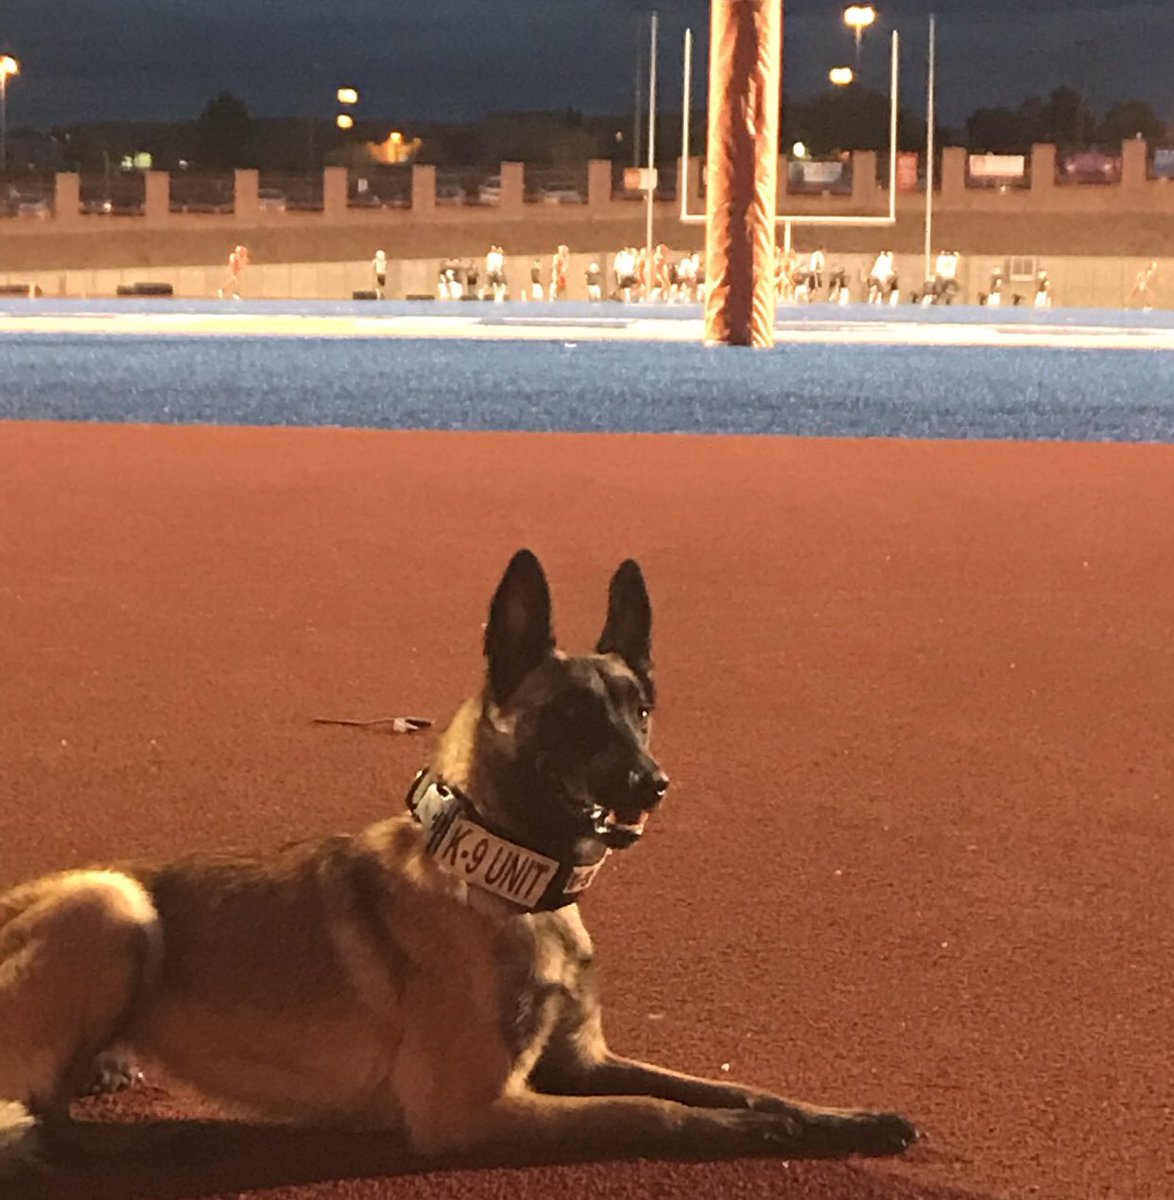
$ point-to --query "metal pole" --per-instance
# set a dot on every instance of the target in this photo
(931, 105)
(639, 103)
(896, 87)
(648, 275)
(683, 182)
(3, 121)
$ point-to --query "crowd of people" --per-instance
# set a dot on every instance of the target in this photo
(807, 281)
(665, 279)
(669, 280)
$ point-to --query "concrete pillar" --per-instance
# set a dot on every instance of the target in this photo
(423, 189)
(599, 183)
(513, 188)
(1043, 169)
(1134, 164)
(245, 182)
(334, 181)
(865, 190)
(157, 200)
(953, 182)
(67, 199)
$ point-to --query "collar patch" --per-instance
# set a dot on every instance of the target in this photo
(462, 844)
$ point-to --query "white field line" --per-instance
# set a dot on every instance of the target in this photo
(610, 328)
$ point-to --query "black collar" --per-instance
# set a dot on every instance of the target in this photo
(463, 843)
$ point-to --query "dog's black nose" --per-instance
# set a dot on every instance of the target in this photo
(648, 787)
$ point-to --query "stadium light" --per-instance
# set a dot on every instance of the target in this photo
(345, 121)
(8, 67)
(347, 95)
(841, 76)
(858, 17)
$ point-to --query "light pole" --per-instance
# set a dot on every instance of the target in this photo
(858, 17)
(8, 67)
(649, 180)
(930, 117)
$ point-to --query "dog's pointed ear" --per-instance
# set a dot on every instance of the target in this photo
(628, 628)
(518, 637)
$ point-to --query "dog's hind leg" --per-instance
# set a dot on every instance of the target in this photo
(76, 951)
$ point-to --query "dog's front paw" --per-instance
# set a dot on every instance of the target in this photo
(113, 1071)
(878, 1134)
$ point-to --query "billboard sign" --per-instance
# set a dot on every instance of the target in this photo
(998, 166)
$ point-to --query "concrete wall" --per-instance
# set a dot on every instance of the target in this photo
(1092, 238)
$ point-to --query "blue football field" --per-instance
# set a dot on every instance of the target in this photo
(850, 372)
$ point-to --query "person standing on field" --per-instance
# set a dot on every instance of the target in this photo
(379, 271)
(560, 265)
(238, 260)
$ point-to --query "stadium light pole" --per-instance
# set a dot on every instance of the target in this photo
(650, 187)
(930, 115)
(8, 68)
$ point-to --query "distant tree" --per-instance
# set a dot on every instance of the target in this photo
(224, 133)
(1064, 119)
(999, 131)
(354, 155)
(848, 119)
(1129, 119)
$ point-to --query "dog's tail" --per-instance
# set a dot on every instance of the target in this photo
(20, 1147)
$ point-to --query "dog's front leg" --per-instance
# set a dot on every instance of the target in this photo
(539, 1126)
(573, 1069)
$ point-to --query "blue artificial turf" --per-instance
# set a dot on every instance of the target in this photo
(798, 389)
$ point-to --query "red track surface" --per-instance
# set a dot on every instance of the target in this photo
(917, 706)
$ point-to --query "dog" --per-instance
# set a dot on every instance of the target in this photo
(430, 975)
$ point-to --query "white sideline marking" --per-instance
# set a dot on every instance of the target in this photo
(610, 328)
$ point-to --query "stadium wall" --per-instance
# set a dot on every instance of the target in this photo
(1092, 238)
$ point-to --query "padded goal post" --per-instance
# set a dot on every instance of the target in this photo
(745, 84)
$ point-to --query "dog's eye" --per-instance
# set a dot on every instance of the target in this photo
(644, 714)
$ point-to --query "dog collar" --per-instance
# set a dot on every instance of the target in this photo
(461, 843)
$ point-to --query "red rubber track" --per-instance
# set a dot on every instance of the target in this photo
(917, 698)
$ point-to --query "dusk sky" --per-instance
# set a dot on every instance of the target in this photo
(450, 59)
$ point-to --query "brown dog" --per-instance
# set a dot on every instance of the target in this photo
(431, 974)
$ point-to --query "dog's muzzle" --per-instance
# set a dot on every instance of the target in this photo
(623, 824)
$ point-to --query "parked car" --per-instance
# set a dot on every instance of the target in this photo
(561, 193)
(271, 199)
(490, 191)
(1092, 166)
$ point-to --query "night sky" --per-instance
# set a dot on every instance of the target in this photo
(454, 59)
